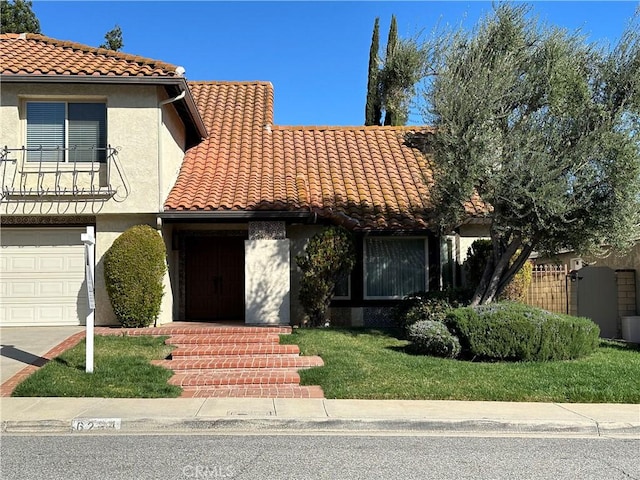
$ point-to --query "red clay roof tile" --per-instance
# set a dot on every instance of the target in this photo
(35, 54)
(362, 177)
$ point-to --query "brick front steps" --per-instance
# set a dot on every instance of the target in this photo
(216, 361)
(235, 362)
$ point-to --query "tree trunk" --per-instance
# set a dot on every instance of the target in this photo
(497, 273)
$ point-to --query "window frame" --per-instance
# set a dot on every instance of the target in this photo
(365, 273)
(66, 100)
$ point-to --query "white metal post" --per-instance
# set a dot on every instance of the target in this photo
(89, 241)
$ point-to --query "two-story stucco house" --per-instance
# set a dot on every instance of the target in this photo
(93, 137)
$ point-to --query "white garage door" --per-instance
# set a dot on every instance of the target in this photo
(42, 277)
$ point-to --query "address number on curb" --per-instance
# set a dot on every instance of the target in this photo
(92, 424)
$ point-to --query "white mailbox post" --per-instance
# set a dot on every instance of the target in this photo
(89, 241)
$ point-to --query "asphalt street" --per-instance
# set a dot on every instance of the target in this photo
(249, 456)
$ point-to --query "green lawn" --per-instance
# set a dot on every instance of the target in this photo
(364, 363)
(122, 369)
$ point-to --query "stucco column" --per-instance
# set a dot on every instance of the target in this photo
(267, 279)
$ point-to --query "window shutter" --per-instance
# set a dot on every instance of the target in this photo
(45, 129)
(87, 132)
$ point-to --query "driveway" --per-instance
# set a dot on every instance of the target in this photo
(22, 346)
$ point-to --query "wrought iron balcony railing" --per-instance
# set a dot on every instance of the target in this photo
(74, 171)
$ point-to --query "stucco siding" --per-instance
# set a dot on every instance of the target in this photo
(132, 128)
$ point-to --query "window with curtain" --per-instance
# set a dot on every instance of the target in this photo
(66, 132)
(395, 267)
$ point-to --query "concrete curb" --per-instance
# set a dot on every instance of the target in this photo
(321, 425)
(262, 415)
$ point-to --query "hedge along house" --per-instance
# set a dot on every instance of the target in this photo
(96, 137)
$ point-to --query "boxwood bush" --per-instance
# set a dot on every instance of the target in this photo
(429, 337)
(134, 267)
(512, 331)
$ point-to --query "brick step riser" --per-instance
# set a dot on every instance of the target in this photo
(204, 380)
(234, 371)
(214, 357)
(223, 340)
(254, 392)
(214, 350)
(236, 362)
(163, 331)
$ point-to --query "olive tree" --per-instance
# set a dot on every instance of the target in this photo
(543, 129)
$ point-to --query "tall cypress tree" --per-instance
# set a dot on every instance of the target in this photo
(373, 108)
(392, 42)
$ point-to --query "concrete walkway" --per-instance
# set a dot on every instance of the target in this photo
(315, 415)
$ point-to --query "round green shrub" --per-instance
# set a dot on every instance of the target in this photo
(430, 337)
(421, 306)
(513, 331)
(134, 267)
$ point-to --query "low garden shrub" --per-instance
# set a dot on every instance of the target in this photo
(134, 267)
(431, 337)
(434, 306)
(512, 331)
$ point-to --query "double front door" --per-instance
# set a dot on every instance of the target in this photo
(214, 278)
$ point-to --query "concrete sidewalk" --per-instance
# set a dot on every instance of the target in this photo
(315, 415)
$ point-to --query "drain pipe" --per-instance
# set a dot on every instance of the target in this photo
(160, 131)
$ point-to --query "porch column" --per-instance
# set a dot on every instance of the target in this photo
(267, 280)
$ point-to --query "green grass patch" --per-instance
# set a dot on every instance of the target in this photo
(373, 364)
(122, 369)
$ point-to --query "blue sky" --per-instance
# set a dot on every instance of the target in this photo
(315, 53)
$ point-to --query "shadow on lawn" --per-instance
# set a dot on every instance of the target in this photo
(358, 331)
(619, 345)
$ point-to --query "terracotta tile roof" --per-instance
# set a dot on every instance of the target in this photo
(362, 177)
(35, 54)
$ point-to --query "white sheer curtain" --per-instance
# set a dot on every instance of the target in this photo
(395, 267)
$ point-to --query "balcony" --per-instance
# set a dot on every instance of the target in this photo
(56, 172)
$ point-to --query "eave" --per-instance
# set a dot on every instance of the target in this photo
(186, 107)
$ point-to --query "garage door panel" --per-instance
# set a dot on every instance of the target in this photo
(42, 277)
(43, 315)
(22, 289)
(27, 262)
(17, 286)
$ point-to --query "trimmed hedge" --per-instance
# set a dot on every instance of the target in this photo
(134, 267)
(430, 337)
(512, 331)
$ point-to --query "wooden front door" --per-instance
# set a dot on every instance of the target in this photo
(214, 278)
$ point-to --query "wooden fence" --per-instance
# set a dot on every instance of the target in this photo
(548, 288)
